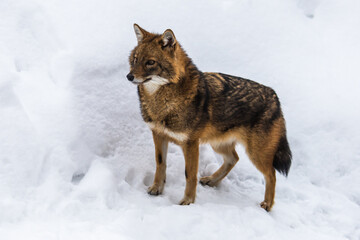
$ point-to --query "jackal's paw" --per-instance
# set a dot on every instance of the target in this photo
(265, 205)
(208, 181)
(187, 201)
(155, 190)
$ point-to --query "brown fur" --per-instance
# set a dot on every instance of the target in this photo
(186, 106)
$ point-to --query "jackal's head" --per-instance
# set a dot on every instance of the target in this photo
(156, 60)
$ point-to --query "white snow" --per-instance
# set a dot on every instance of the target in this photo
(76, 157)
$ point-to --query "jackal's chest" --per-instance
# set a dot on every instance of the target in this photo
(166, 117)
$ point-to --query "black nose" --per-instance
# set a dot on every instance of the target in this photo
(130, 77)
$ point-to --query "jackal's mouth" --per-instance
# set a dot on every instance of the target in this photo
(146, 80)
(157, 80)
(137, 82)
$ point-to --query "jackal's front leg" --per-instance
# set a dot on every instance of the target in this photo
(191, 154)
(161, 146)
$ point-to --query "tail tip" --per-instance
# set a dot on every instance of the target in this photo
(282, 158)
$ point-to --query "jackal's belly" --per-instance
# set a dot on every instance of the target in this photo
(215, 137)
(161, 129)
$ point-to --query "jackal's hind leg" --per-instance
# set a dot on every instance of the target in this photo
(261, 152)
(230, 159)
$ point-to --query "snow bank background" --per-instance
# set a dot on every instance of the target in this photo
(76, 158)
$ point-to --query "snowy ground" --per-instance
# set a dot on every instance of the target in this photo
(76, 158)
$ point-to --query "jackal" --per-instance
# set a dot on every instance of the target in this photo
(188, 107)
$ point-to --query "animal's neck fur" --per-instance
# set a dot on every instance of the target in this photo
(189, 75)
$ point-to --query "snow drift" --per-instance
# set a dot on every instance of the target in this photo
(76, 158)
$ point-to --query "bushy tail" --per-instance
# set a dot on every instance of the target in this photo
(282, 158)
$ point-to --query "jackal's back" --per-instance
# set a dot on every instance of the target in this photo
(239, 102)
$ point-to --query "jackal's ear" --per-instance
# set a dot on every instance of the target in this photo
(140, 33)
(168, 38)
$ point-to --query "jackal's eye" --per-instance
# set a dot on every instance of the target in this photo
(150, 62)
